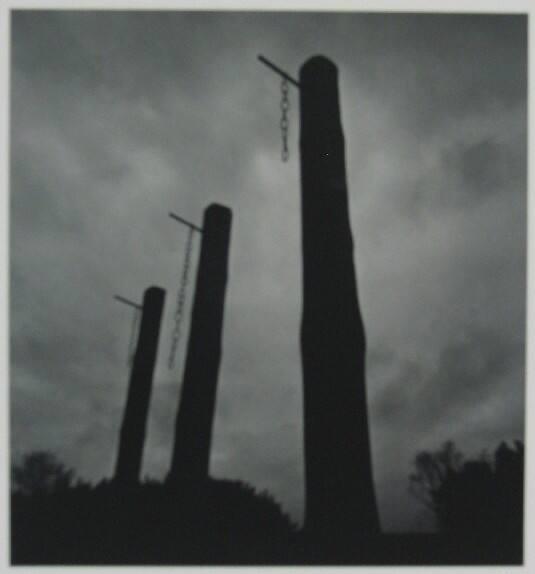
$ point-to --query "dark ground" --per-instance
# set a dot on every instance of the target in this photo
(224, 522)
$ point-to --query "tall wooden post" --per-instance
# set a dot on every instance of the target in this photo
(134, 424)
(194, 421)
(340, 497)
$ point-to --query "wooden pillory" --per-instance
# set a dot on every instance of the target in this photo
(195, 415)
(340, 498)
(133, 428)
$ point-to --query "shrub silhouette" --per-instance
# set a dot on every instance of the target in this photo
(40, 472)
(216, 522)
(482, 496)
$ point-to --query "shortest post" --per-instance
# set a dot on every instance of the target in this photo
(134, 424)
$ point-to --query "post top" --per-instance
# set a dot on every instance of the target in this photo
(221, 210)
(320, 65)
(155, 289)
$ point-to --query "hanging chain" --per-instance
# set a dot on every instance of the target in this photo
(284, 105)
(181, 298)
(133, 338)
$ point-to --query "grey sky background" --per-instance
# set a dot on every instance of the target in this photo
(119, 117)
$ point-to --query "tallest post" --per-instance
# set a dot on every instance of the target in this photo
(340, 497)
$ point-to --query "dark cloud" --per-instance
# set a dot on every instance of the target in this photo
(466, 373)
(119, 117)
(482, 165)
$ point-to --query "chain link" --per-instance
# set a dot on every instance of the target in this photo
(284, 106)
(132, 345)
(181, 298)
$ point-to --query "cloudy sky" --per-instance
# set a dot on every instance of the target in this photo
(118, 118)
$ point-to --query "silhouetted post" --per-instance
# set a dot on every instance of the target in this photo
(194, 421)
(134, 423)
(340, 496)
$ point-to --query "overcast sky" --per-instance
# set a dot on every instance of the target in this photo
(118, 118)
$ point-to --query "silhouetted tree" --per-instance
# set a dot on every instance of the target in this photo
(480, 496)
(432, 470)
(40, 472)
